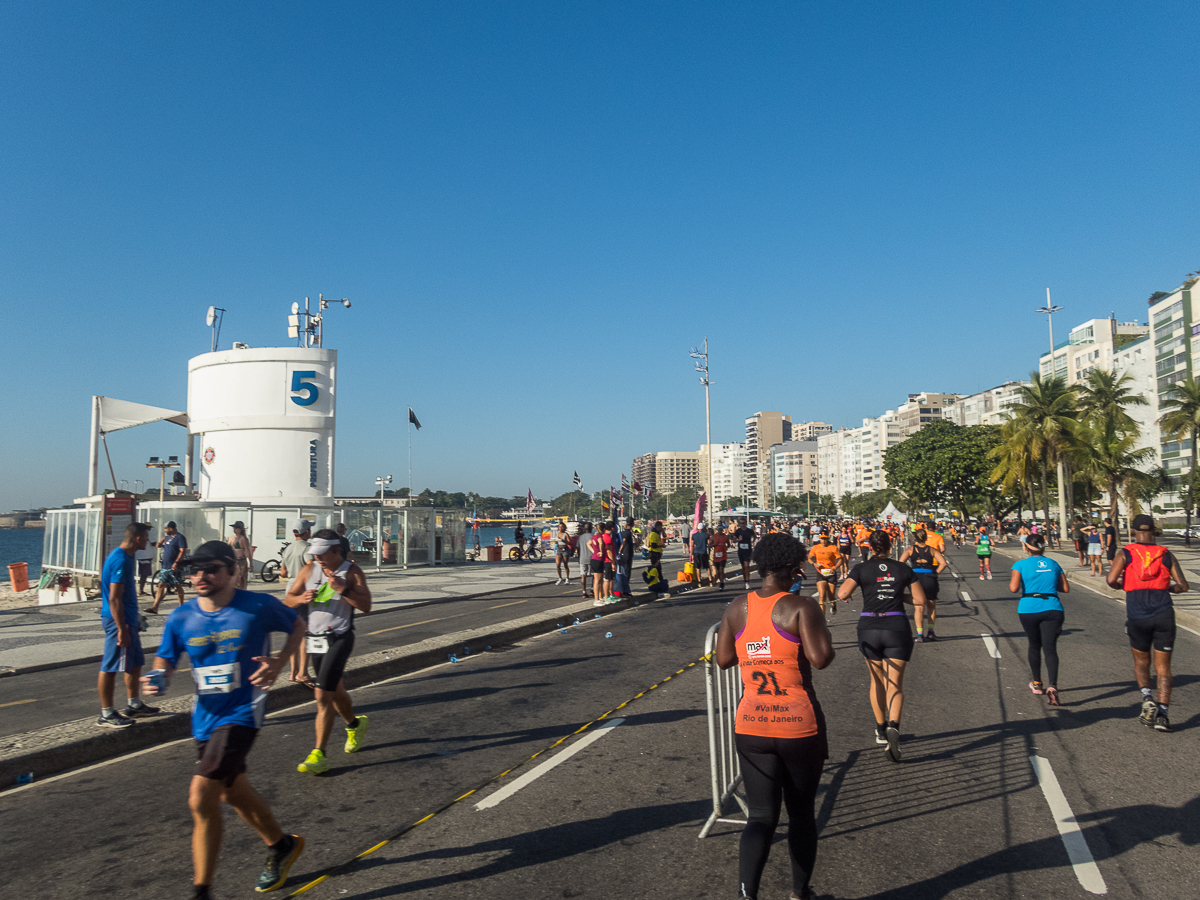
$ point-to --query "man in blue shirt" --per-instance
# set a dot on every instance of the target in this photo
(122, 633)
(174, 545)
(226, 634)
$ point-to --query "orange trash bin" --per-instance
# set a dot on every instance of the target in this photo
(18, 574)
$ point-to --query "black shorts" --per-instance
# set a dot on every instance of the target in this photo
(1112, 552)
(330, 667)
(885, 643)
(719, 563)
(608, 571)
(701, 560)
(145, 568)
(596, 566)
(1158, 632)
(827, 579)
(744, 556)
(929, 584)
(223, 756)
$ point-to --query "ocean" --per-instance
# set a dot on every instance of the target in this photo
(21, 545)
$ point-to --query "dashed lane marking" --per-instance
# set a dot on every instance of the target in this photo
(502, 605)
(342, 867)
(18, 702)
(534, 774)
(966, 596)
(990, 643)
(1073, 838)
(398, 627)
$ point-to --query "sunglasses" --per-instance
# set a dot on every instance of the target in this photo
(210, 569)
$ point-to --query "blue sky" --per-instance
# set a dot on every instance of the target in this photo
(854, 201)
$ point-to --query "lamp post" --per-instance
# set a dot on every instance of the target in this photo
(381, 482)
(1049, 309)
(701, 357)
(156, 463)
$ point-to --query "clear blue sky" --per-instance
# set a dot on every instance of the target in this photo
(853, 200)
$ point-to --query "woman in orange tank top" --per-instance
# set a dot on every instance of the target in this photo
(776, 638)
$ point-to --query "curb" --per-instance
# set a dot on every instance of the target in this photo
(70, 745)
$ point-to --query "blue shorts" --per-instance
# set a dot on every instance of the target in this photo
(121, 659)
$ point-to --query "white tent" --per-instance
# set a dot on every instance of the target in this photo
(109, 414)
(890, 512)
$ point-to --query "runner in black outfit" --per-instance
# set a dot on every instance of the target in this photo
(927, 562)
(884, 635)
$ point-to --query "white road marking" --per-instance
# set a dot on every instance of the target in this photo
(537, 772)
(100, 765)
(1073, 838)
(966, 596)
(990, 643)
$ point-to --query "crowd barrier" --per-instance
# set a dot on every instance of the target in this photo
(724, 690)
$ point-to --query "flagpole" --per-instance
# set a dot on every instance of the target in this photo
(410, 456)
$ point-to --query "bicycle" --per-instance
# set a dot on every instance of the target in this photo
(533, 552)
(270, 569)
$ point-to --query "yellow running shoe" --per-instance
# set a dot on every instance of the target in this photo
(316, 764)
(354, 736)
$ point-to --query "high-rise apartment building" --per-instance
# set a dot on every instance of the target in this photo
(1092, 345)
(988, 407)
(921, 409)
(675, 469)
(763, 430)
(809, 431)
(728, 472)
(794, 469)
(1175, 327)
(644, 471)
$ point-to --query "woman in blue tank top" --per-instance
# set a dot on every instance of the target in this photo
(1040, 581)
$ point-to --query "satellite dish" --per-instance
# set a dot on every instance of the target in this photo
(211, 317)
(295, 308)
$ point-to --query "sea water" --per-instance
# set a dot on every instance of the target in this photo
(21, 545)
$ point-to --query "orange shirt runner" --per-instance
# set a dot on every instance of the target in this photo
(777, 696)
(824, 559)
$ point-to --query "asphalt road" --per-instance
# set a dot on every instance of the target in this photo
(961, 816)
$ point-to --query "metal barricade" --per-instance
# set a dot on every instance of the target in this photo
(724, 690)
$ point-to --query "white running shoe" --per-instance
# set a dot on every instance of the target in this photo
(597, 603)
(989, 577)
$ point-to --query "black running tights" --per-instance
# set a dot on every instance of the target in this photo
(1043, 629)
(774, 769)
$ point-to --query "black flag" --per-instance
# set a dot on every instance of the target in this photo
(412, 417)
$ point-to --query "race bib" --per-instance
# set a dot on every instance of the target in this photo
(218, 679)
(827, 572)
(743, 546)
(317, 643)
(718, 554)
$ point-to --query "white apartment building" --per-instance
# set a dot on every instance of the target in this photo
(1137, 361)
(1092, 345)
(763, 431)
(921, 409)
(851, 460)
(988, 407)
(675, 469)
(810, 431)
(794, 469)
(728, 472)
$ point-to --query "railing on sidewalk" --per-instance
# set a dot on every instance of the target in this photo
(724, 690)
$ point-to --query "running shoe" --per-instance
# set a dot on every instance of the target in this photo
(315, 764)
(1149, 713)
(930, 636)
(354, 736)
(140, 712)
(893, 741)
(611, 600)
(279, 861)
(981, 578)
(597, 603)
(919, 638)
(1162, 723)
(881, 734)
(200, 892)
(114, 720)
(989, 578)
(1036, 687)
(1052, 696)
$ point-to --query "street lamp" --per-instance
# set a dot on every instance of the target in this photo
(382, 481)
(701, 357)
(156, 463)
(1050, 310)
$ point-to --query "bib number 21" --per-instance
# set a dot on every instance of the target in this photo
(764, 687)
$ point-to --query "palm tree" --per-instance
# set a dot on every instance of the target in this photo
(1112, 459)
(1103, 397)
(1044, 421)
(1181, 421)
(1015, 465)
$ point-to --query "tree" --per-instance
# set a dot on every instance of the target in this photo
(868, 505)
(734, 502)
(1181, 421)
(1044, 421)
(790, 505)
(946, 464)
(824, 505)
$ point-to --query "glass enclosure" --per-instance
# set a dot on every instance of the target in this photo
(72, 541)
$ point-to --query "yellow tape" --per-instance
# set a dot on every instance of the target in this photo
(341, 867)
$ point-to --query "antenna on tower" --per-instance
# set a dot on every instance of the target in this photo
(213, 320)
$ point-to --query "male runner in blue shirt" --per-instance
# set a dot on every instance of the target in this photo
(226, 634)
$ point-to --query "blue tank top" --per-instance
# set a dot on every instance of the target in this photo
(1039, 575)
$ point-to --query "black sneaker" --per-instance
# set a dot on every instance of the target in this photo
(114, 720)
(893, 741)
(279, 861)
(140, 712)
(930, 637)
(1162, 723)
(200, 892)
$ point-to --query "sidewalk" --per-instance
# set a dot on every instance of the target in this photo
(1187, 606)
(34, 638)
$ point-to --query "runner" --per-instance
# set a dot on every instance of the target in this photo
(776, 638)
(845, 544)
(720, 554)
(744, 538)
(862, 537)
(1039, 580)
(983, 550)
(884, 636)
(562, 555)
(225, 633)
(700, 555)
(928, 563)
(121, 621)
(1145, 571)
(334, 588)
(826, 561)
